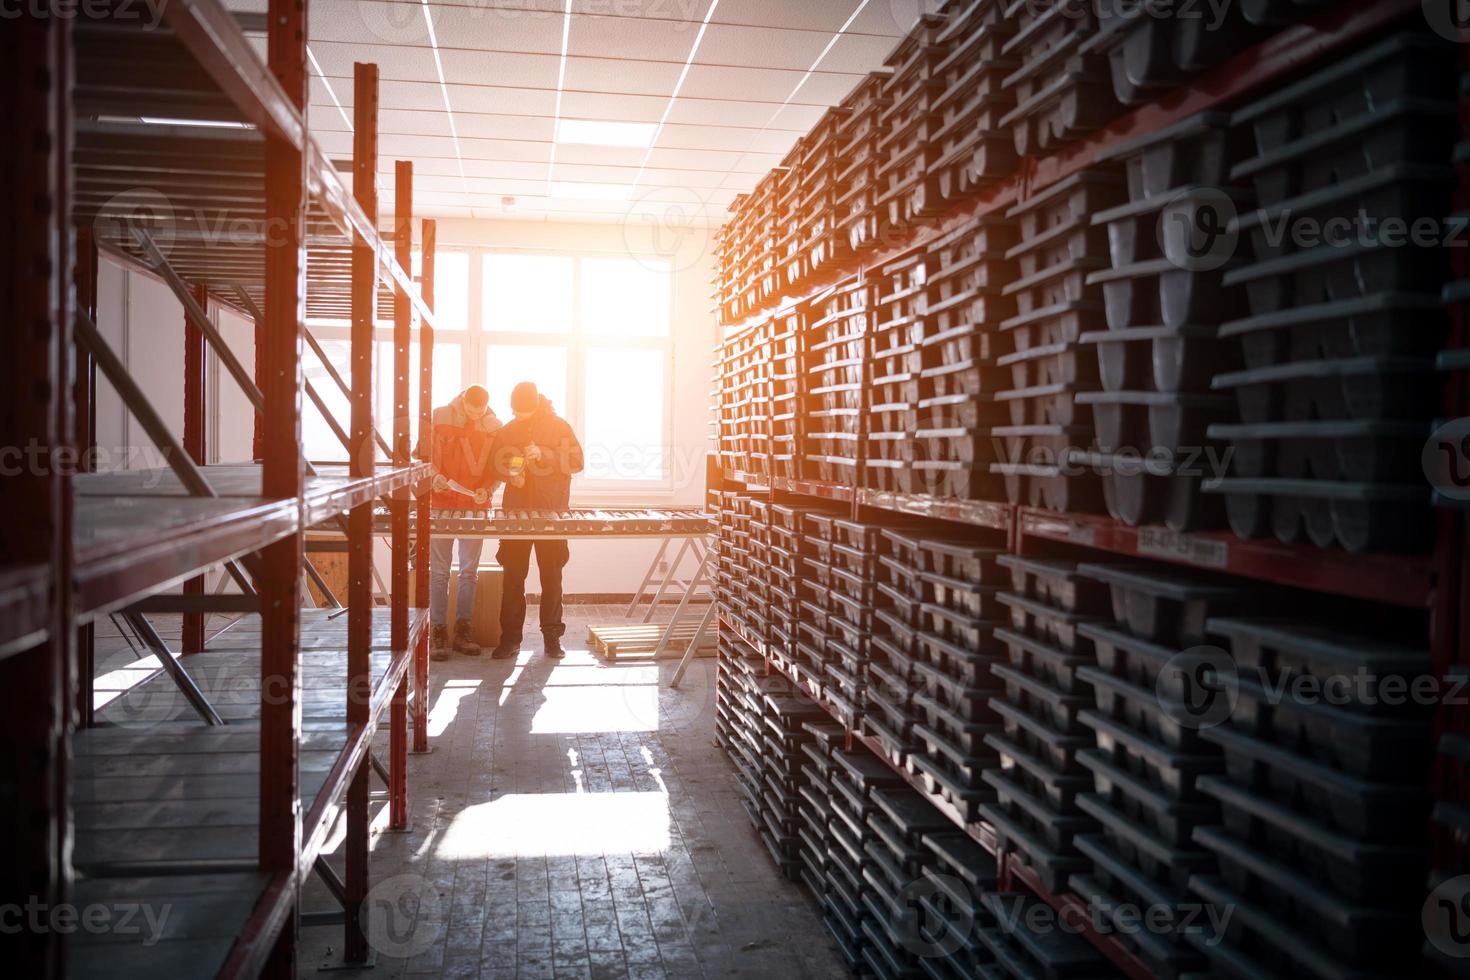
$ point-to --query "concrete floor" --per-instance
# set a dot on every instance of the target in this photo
(575, 819)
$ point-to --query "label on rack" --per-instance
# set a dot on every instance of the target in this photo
(1081, 534)
(1164, 543)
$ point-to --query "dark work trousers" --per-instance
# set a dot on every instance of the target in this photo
(515, 559)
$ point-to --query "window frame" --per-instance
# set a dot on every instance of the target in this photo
(477, 340)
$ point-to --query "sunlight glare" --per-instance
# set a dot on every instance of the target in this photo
(446, 706)
(586, 710)
(534, 824)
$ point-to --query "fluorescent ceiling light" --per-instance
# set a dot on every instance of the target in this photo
(599, 133)
(213, 123)
(590, 192)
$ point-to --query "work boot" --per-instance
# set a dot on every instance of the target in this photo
(506, 649)
(439, 642)
(553, 648)
(462, 642)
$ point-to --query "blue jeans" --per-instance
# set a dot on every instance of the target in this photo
(441, 551)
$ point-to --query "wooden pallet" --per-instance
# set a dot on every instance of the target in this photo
(638, 641)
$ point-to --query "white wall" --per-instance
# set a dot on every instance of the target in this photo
(145, 324)
(232, 418)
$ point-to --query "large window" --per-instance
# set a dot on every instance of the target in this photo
(592, 331)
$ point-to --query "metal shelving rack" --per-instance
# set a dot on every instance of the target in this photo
(90, 94)
(1435, 583)
(1011, 875)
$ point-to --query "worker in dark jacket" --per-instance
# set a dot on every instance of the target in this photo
(535, 455)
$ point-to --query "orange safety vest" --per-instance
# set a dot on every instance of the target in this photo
(462, 454)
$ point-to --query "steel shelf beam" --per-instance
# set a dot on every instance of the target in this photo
(1403, 580)
(995, 515)
(114, 570)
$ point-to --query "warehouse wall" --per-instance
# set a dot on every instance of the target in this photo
(144, 323)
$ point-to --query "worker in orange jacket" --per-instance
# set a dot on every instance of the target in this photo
(459, 459)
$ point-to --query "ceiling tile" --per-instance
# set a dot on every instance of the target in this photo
(892, 18)
(798, 119)
(707, 137)
(513, 169)
(656, 9)
(774, 142)
(715, 160)
(719, 83)
(740, 182)
(721, 111)
(403, 147)
(425, 96)
(506, 150)
(475, 26)
(618, 108)
(495, 126)
(817, 15)
(502, 186)
(368, 22)
(761, 47)
(625, 156)
(436, 183)
(505, 101)
(405, 122)
(323, 89)
(699, 180)
(828, 89)
(424, 168)
(494, 68)
(631, 37)
(858, 53)
(635, 78)
(334, 144)
(594, 173)
(393, 61)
